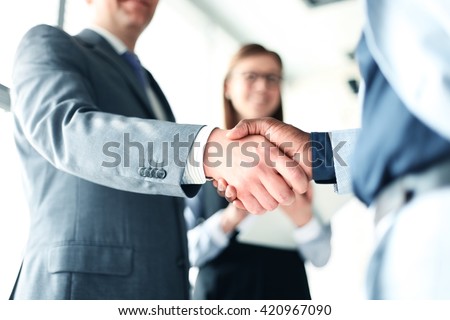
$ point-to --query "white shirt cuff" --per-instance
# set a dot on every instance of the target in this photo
(308, 232)
(194, 173)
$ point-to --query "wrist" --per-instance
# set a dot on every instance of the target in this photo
(299, 217)
(227, 224)
(231, 218)
(213, 153)
(302, 219)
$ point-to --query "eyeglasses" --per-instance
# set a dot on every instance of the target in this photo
(272, 80)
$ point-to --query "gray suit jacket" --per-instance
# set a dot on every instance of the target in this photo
(105, 222)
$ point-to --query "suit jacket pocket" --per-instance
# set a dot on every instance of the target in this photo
(98, 259)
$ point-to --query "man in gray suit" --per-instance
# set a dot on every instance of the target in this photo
(104, 175)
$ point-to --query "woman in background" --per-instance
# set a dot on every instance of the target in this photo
(242, 256)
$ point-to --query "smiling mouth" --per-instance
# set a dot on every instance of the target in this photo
(141, 2)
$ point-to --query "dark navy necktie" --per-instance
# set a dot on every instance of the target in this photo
(135, 64)
(139, 71)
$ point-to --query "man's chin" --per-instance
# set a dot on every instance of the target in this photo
(137, 23)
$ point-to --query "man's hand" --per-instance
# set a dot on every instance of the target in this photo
(263, 177)
(294, 142)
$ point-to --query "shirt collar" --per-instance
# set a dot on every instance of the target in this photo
(113, 40)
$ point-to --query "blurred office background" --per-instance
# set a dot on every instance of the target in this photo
(187, 48)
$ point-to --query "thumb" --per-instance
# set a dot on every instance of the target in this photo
(248, 127)
(241, 130)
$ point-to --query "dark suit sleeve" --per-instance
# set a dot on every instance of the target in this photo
(322, 158)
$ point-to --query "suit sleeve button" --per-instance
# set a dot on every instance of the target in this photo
(161, 174)
(153, 173)
(148, 172)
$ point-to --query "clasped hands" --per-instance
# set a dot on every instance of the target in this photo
(259, 164)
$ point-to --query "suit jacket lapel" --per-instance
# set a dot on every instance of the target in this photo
(161, 97)
(102, 48)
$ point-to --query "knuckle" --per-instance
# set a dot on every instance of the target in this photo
(285, 196)
(271, 206)
(260, 210)
(296, 173)
(255, 208)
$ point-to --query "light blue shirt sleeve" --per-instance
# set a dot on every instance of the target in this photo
(410, 41)
(206, 240)
(314, 242)
(343, 144)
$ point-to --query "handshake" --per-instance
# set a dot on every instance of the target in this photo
(266, 163)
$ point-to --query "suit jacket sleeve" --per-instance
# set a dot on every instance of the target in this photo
(410, 41)
(56, 111)
(331, 158)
